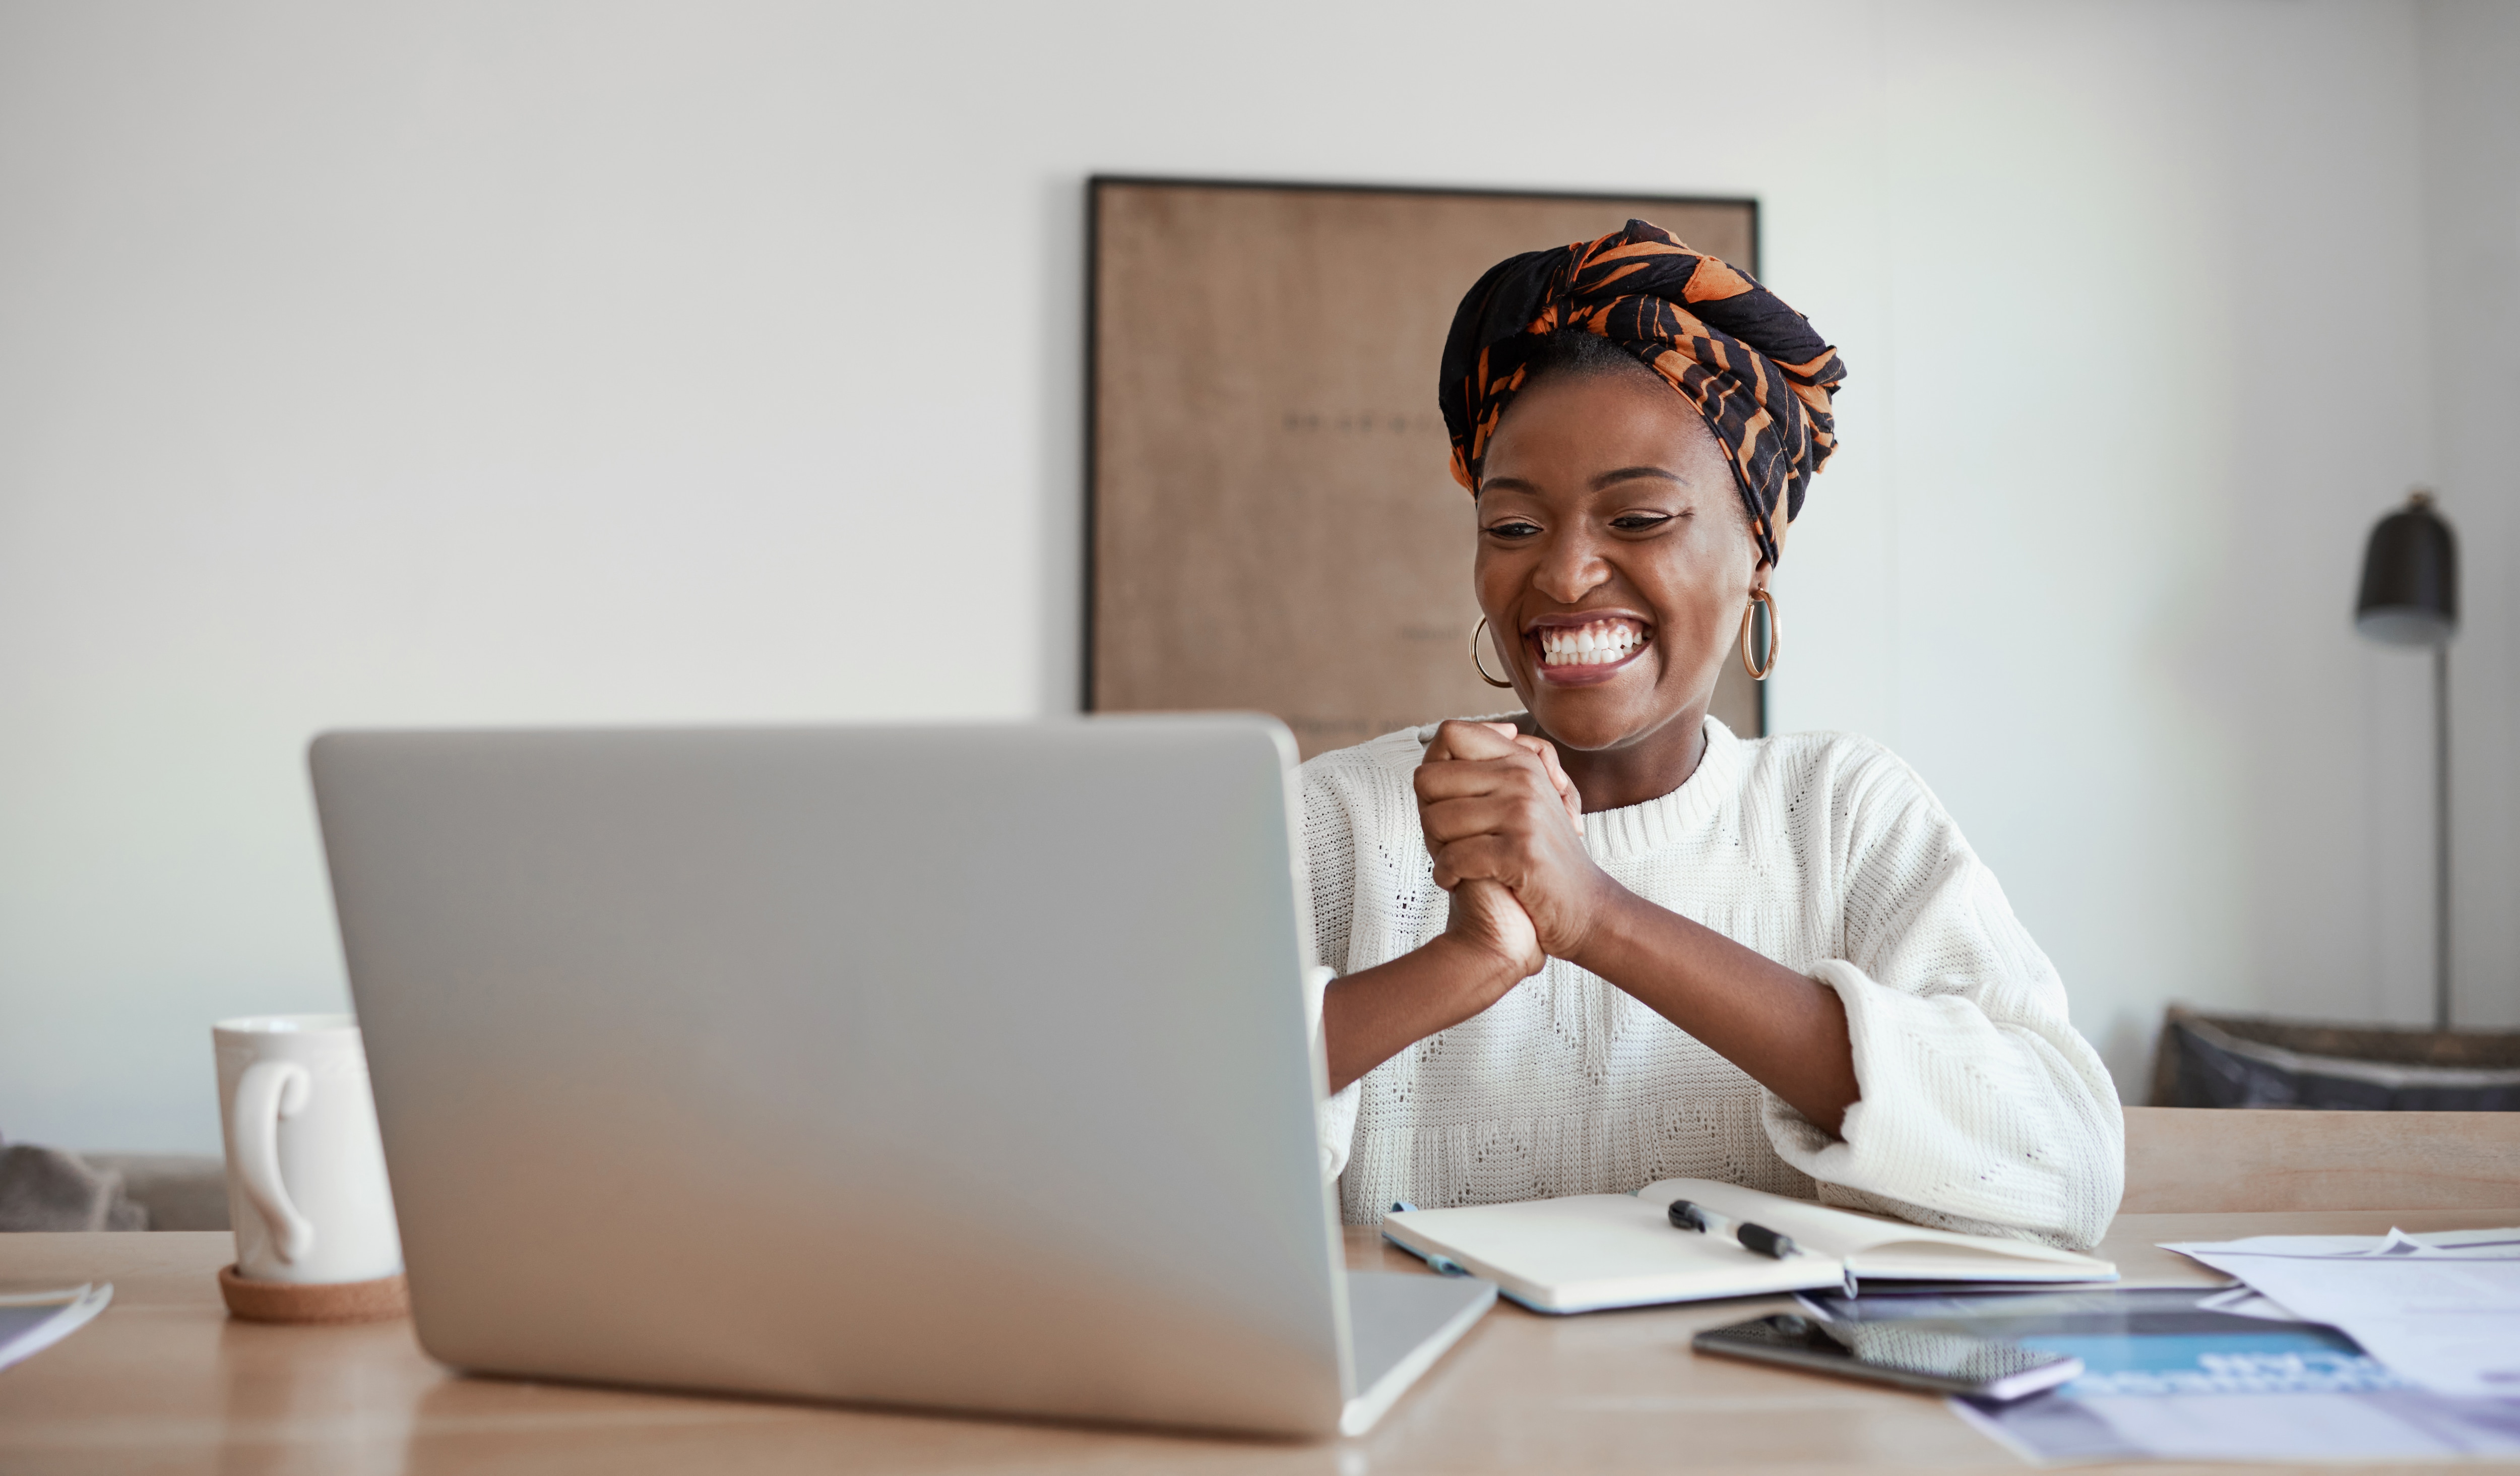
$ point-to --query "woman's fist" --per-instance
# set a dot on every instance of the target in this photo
(1497, 807)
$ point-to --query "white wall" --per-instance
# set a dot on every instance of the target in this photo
(2471, 85)
(472, 362)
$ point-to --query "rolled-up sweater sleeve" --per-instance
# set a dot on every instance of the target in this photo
(1327, 886)
(1336, 1116)
(1982, 1108)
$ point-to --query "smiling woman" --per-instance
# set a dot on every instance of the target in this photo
(1603, 941)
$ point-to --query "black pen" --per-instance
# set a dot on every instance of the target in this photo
(1749, 1236)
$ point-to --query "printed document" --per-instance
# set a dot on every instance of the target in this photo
(2442, 1311)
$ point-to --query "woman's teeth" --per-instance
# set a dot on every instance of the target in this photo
(1600, 644)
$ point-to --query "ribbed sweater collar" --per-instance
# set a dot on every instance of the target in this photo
(1660, 822)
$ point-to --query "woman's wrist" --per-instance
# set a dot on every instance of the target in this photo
(1610, 930)
(1604, 925)
(1473, 970)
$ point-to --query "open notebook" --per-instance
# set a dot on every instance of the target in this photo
(1591, 1251)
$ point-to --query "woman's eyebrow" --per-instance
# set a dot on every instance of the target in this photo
(1625, 473)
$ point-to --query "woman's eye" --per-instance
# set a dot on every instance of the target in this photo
(1515, 528)
(1638, 522)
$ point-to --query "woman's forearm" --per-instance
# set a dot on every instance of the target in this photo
(1789, 1032)
(1371, 1016)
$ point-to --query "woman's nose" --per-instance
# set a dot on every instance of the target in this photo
(1572, 569)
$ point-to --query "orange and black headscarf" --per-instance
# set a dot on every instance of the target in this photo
(1753, 367)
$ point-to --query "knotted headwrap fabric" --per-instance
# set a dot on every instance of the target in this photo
(1754, 368)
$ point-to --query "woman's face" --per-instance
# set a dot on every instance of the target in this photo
(1609, 518)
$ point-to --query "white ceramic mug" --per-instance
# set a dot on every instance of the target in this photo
(306, 1170)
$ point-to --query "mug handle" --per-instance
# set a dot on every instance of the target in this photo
(268, 1091)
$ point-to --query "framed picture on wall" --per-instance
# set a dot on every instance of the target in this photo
(1272, 522)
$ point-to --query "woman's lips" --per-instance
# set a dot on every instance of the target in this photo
(1586, 654)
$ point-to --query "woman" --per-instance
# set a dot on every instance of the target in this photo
(1604, 941)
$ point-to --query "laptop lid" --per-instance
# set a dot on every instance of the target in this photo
(961, 1066)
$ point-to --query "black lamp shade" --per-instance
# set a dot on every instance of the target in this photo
(2410, 578)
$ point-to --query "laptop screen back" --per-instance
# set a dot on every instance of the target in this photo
(959, 1066)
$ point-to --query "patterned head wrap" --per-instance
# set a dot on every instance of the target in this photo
(1753, 367)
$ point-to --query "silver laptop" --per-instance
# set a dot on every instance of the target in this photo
(953, 1066)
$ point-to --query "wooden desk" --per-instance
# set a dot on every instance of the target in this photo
(165, 1382)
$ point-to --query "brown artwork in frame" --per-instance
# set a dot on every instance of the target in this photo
(1272, 523)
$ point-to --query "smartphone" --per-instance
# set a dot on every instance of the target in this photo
(1901, 1353)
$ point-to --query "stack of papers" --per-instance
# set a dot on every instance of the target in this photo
(2193, 1374)
(2442, 1311)
(32, 1322)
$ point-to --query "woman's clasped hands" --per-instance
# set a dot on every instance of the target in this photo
(1505, 826)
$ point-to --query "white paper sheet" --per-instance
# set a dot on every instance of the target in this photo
(34, 1320)
(2441, 1309)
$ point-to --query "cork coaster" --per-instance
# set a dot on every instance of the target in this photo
(315, 1302)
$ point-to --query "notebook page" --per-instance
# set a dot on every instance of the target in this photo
(1600, 1250)
(1877, 1246)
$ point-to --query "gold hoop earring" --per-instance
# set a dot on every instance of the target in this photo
(1776, 637)
(1476, 632)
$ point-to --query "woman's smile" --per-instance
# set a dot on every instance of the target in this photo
(1581, 647)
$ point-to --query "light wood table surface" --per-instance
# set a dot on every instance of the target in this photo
(163, 1381)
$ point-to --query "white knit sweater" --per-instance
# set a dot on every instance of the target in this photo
(1982, 1111)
